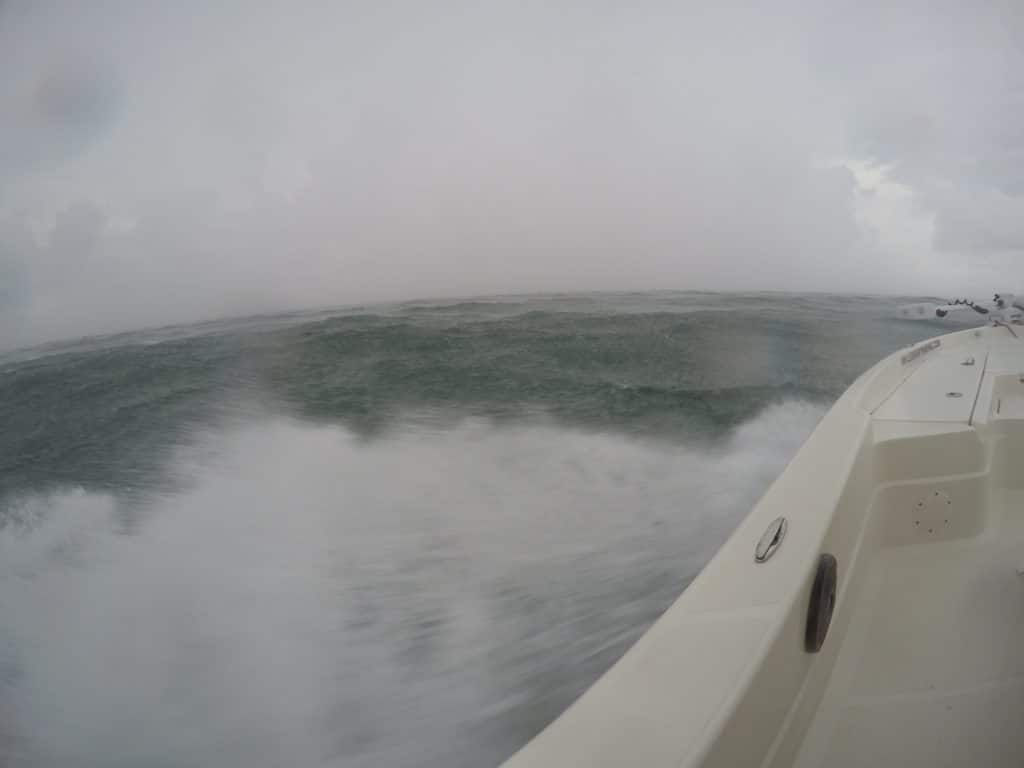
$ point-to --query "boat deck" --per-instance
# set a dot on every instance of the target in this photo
(934, 652)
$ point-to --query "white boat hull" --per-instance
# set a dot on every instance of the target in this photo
(914, 482)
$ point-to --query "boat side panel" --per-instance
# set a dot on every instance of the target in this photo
(782, 699)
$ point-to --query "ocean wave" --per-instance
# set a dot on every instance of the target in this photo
(674, 366)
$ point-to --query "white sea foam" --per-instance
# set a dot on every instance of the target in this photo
(428, 597)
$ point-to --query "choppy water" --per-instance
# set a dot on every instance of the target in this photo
(395, 536)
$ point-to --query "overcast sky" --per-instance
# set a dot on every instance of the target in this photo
(164, 162)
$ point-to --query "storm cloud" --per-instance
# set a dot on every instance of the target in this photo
(171, 162)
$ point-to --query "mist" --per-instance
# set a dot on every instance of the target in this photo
(164, 163)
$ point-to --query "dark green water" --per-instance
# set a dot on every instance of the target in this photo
(401, 535)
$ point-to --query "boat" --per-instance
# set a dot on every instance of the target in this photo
(869, 611)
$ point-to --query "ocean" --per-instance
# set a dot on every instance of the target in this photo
(396, 535)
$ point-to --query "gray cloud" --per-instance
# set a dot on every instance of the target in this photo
(979, 219)
(58, 100)
(173, 162)
(936, 94)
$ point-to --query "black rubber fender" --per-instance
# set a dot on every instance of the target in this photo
(822, 603)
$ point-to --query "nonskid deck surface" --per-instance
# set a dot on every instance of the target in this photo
(931, 670)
